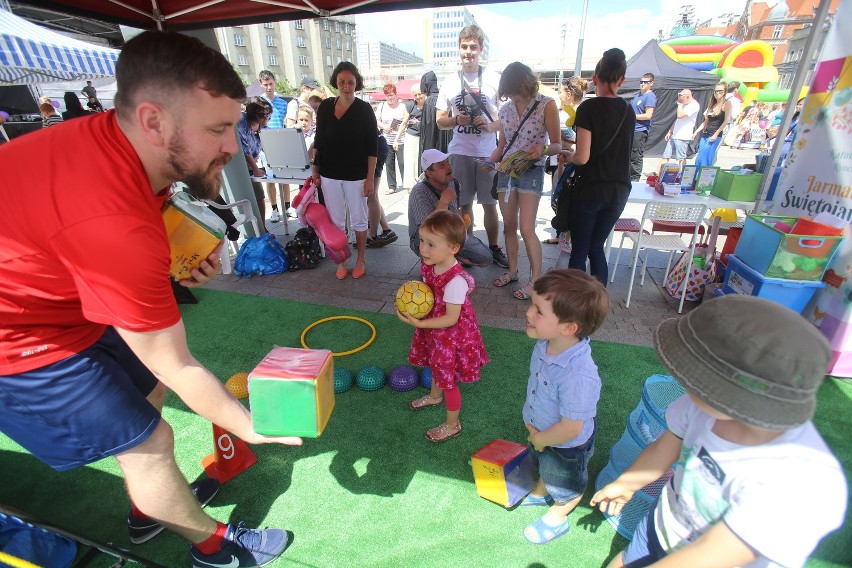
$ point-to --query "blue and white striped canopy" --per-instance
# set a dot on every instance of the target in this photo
(30, 54)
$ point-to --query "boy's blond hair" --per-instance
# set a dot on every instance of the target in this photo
(576, 297)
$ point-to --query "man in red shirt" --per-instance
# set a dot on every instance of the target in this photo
(90, 333)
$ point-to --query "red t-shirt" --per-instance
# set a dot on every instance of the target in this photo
(82, 243)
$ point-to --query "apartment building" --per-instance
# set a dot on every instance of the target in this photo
(292, 49)
(441, 37)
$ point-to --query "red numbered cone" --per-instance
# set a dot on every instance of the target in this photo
(231, 456)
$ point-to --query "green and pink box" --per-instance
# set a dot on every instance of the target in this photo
(291, 392)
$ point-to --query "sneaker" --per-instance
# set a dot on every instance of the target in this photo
(275, 216)
(388, 237)
(376, 242)
(500, 258)
(244, 547)
(143, 530)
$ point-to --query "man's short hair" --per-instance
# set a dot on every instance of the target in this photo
(472, 32)
(576, 297)
(159, 66)
(649, 76)
(265, 75)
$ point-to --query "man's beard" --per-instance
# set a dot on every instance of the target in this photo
(201, 184)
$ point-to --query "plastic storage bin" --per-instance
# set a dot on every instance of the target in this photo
(776, 254)
(741, 279)
(733, 187)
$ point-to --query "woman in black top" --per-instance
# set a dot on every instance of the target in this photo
(715, 118)
(345, 158)
(605, 170)
(74, 108)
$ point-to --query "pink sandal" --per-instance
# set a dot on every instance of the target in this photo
(424, 402)
(442, 433)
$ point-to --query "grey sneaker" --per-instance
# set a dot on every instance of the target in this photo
(500, 258)
(244, 547)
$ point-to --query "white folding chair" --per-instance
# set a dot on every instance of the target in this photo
(244, 214)
(662, 211)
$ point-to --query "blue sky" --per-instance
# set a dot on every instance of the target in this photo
(530, 31)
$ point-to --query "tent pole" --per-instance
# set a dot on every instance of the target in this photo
(578, 66)
(795, 89)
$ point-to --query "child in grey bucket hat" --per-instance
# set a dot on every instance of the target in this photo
(739, 442)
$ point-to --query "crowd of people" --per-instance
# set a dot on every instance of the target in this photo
(88, 345)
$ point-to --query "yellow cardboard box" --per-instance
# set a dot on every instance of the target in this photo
(193, 230)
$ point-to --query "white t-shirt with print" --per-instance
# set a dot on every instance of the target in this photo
(470, 140)
(534, 132)
(779, 498)
(684, 127)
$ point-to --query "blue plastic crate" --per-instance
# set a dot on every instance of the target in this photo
(742, 279)
(776, 254)
(625, 522)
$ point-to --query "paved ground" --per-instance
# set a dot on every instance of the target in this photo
(389, 267)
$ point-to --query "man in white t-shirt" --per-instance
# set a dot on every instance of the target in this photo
(680, 134)
(467, 105)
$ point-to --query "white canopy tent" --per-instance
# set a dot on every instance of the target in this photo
(30, 54)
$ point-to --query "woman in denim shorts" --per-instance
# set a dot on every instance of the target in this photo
(527, 122)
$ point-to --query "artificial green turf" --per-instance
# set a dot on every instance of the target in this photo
(371, 491)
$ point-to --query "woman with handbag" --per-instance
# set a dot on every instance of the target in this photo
(529, 120)
(570, 95)
(715, 118)
(600, 186)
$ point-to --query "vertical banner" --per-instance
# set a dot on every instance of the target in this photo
(817, 177)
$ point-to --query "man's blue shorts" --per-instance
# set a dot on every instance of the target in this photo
(82, 409)
(564, 471)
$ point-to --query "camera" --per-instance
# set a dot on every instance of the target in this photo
(472, 110)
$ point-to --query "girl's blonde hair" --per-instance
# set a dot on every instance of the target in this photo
(447, 224)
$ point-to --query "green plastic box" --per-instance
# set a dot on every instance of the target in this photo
(291, 392)
(733, 187)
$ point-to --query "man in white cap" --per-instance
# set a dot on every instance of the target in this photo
(439, 190)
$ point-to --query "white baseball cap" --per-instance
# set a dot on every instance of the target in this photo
(432, 156)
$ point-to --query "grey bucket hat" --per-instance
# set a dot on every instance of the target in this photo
(751, 359)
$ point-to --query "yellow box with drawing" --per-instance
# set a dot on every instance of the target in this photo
(194, 232)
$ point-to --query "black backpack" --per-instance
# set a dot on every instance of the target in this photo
(303, 251)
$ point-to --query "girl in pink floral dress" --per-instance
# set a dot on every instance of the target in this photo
(448, 339)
